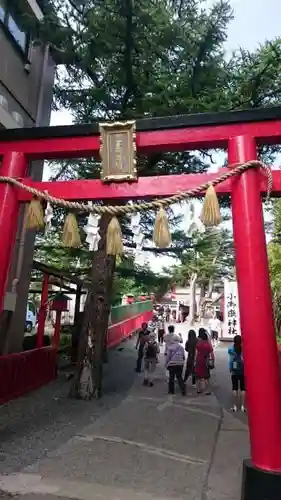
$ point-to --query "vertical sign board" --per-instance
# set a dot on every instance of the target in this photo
(231, 310)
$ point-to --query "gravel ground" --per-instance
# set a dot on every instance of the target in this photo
(42, 421)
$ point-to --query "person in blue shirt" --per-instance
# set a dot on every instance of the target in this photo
(236, 368)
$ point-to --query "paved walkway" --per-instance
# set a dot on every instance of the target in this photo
(146, 445)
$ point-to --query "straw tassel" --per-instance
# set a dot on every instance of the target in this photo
(71, 234)
(114, 242)
(161, 234)
(210, 215)
(34, 218)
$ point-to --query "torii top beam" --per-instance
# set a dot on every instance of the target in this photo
(175, 133)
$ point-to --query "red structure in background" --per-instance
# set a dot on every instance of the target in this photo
(121, 331)
(42, 310)
(237, 132)
(59, 304)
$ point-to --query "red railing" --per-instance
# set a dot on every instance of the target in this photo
(119, 332)
(25, 371)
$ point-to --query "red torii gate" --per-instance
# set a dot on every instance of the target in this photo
(237, 132)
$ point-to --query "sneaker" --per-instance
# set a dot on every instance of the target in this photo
(145, 382)
(243, 409)
(234, 408)
(151, 384)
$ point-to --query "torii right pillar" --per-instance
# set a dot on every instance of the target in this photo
(261, 474)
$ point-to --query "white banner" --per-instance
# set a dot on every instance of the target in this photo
(231, 310)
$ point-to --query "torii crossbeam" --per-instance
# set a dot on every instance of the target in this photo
(237, 132)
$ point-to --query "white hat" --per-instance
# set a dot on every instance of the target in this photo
(176, 338)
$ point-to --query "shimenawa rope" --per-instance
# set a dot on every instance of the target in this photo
(141, 207)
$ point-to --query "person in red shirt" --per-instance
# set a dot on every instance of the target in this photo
(204, 362)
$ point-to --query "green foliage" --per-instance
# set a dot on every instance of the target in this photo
(274, 259)
(211, 258)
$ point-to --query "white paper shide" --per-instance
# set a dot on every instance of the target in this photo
(93, 231)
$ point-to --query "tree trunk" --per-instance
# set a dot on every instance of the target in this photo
(87, 381)
(201, 300)
(210, 287)
(211, 278)
(192, 292)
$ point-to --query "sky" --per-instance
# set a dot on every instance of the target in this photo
(255, 21)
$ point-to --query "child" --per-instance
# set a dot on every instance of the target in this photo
(151, 351)
(236, 367)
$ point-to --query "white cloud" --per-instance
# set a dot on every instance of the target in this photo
(255, 21)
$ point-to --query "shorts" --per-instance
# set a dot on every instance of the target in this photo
(150, 365)
(214, 335)
(238, 382)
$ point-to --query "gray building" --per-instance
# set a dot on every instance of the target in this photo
(26, 82)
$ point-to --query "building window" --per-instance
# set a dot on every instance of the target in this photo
(2, 10)
(19, 35)
(12, 25)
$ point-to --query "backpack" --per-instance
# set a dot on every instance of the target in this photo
(151, 351)
(237, 364)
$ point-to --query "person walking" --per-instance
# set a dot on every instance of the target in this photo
(204, 362)
(236, 368)
(167, 314)
(141, 340)
(190, 348)
(215, 329)
(175, 358)
(168, 337)
(151, 351)
(152, 324)
(161, 329)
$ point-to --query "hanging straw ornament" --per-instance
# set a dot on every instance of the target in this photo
(210, 215)
(161, 234)
(71, 234)
(114, 242)
(34, 218)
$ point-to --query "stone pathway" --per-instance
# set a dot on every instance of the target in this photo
(150, 446)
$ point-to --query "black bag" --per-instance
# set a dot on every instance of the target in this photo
(151, 351)
(210, 363)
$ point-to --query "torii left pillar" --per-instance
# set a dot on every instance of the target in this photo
(14, 164)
